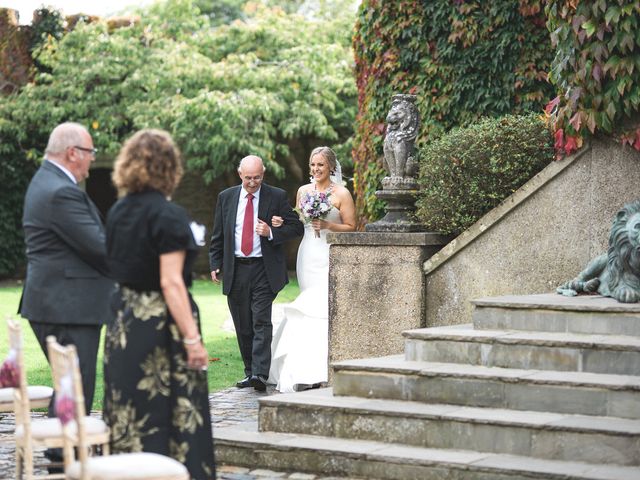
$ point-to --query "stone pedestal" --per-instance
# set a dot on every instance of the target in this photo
(376, 290)
(400, 194)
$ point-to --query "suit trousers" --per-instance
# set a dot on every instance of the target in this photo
(250, 300)
(86, 338)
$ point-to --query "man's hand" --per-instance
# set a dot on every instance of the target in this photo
(214, 275)
(263, 229)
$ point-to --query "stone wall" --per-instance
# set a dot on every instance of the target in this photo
(376, 290)
(542, 235)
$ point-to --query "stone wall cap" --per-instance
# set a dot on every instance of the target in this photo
(554, 301)
(387, 238)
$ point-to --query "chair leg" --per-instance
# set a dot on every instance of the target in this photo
(19, 461)
(28, 463)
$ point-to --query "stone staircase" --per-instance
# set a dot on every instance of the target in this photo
(539, 387)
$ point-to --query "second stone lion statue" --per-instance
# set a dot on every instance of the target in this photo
(615, 273)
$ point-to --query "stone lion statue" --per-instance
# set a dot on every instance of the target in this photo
(403, 122)
(616, 273)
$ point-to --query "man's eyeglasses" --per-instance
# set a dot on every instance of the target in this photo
(92, 151)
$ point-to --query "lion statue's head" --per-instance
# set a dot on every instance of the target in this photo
(623, 260)
(403, 117)
(617, 273)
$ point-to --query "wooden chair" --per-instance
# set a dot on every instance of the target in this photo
(138, 466)
(44, 432)
(39, 395)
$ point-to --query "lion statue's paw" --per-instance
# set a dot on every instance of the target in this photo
(567, 292)
(625, 294)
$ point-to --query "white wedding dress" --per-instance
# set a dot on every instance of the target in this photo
(301, 340)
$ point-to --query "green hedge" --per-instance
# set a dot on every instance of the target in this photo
(16, 170)
(468, 171)
(18, 159)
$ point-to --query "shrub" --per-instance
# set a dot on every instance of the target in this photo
(16, 170)
(468, 171)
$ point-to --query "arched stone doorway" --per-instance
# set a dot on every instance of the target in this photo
(101, 190)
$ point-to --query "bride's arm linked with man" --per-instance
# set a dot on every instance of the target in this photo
(248, 256)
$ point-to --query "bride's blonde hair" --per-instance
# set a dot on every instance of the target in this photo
(328, 154)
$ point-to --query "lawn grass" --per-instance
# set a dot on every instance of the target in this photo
(225, 366)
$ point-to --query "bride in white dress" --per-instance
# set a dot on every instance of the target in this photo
(300, 342)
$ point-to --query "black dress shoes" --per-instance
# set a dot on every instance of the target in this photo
(259, 382)
(244, 383)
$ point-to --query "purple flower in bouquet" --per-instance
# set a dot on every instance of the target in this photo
(9, 372)
(314, 205)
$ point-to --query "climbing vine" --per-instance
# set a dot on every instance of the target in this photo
(596, 69)
(464, 59)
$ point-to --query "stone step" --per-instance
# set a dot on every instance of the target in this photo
(551, 312)
(395, 378)
(551, 436)
(616, 354)
(245, 446)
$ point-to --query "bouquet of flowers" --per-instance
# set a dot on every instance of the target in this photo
(314, 205)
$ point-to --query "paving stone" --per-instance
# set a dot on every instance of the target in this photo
(232, 469)
(235, 476)
(261, 473)
(233, 406)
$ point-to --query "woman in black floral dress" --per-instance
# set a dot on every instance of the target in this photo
(156, 392)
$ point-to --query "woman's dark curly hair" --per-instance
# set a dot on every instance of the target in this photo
(148, 160)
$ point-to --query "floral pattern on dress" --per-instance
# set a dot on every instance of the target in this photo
(144, 304)
(127, 430)
(153, 401)
(186, 415)
(157, 374)
(178, 450)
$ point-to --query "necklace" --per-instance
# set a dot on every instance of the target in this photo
(327, 190)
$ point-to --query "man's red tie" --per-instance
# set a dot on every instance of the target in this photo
(246, 245)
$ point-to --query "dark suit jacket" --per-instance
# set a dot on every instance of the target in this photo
(66, 279)
(273, 201)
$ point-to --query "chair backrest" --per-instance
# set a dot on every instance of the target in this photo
(67, 384)
(20, 393)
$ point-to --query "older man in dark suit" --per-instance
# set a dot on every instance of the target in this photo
(250, 255)
(66, 291)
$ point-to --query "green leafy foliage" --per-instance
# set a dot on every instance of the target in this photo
(254, 86)
(463, 59)
(16, 169)
(468, 171)
(221, 12)
(272, 83)
(48, 23)
(596, 69)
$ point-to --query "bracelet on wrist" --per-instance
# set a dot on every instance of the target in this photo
(192, 341)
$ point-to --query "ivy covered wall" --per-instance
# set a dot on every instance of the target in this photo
(464, 59)
(15, 58)
(596, 70)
